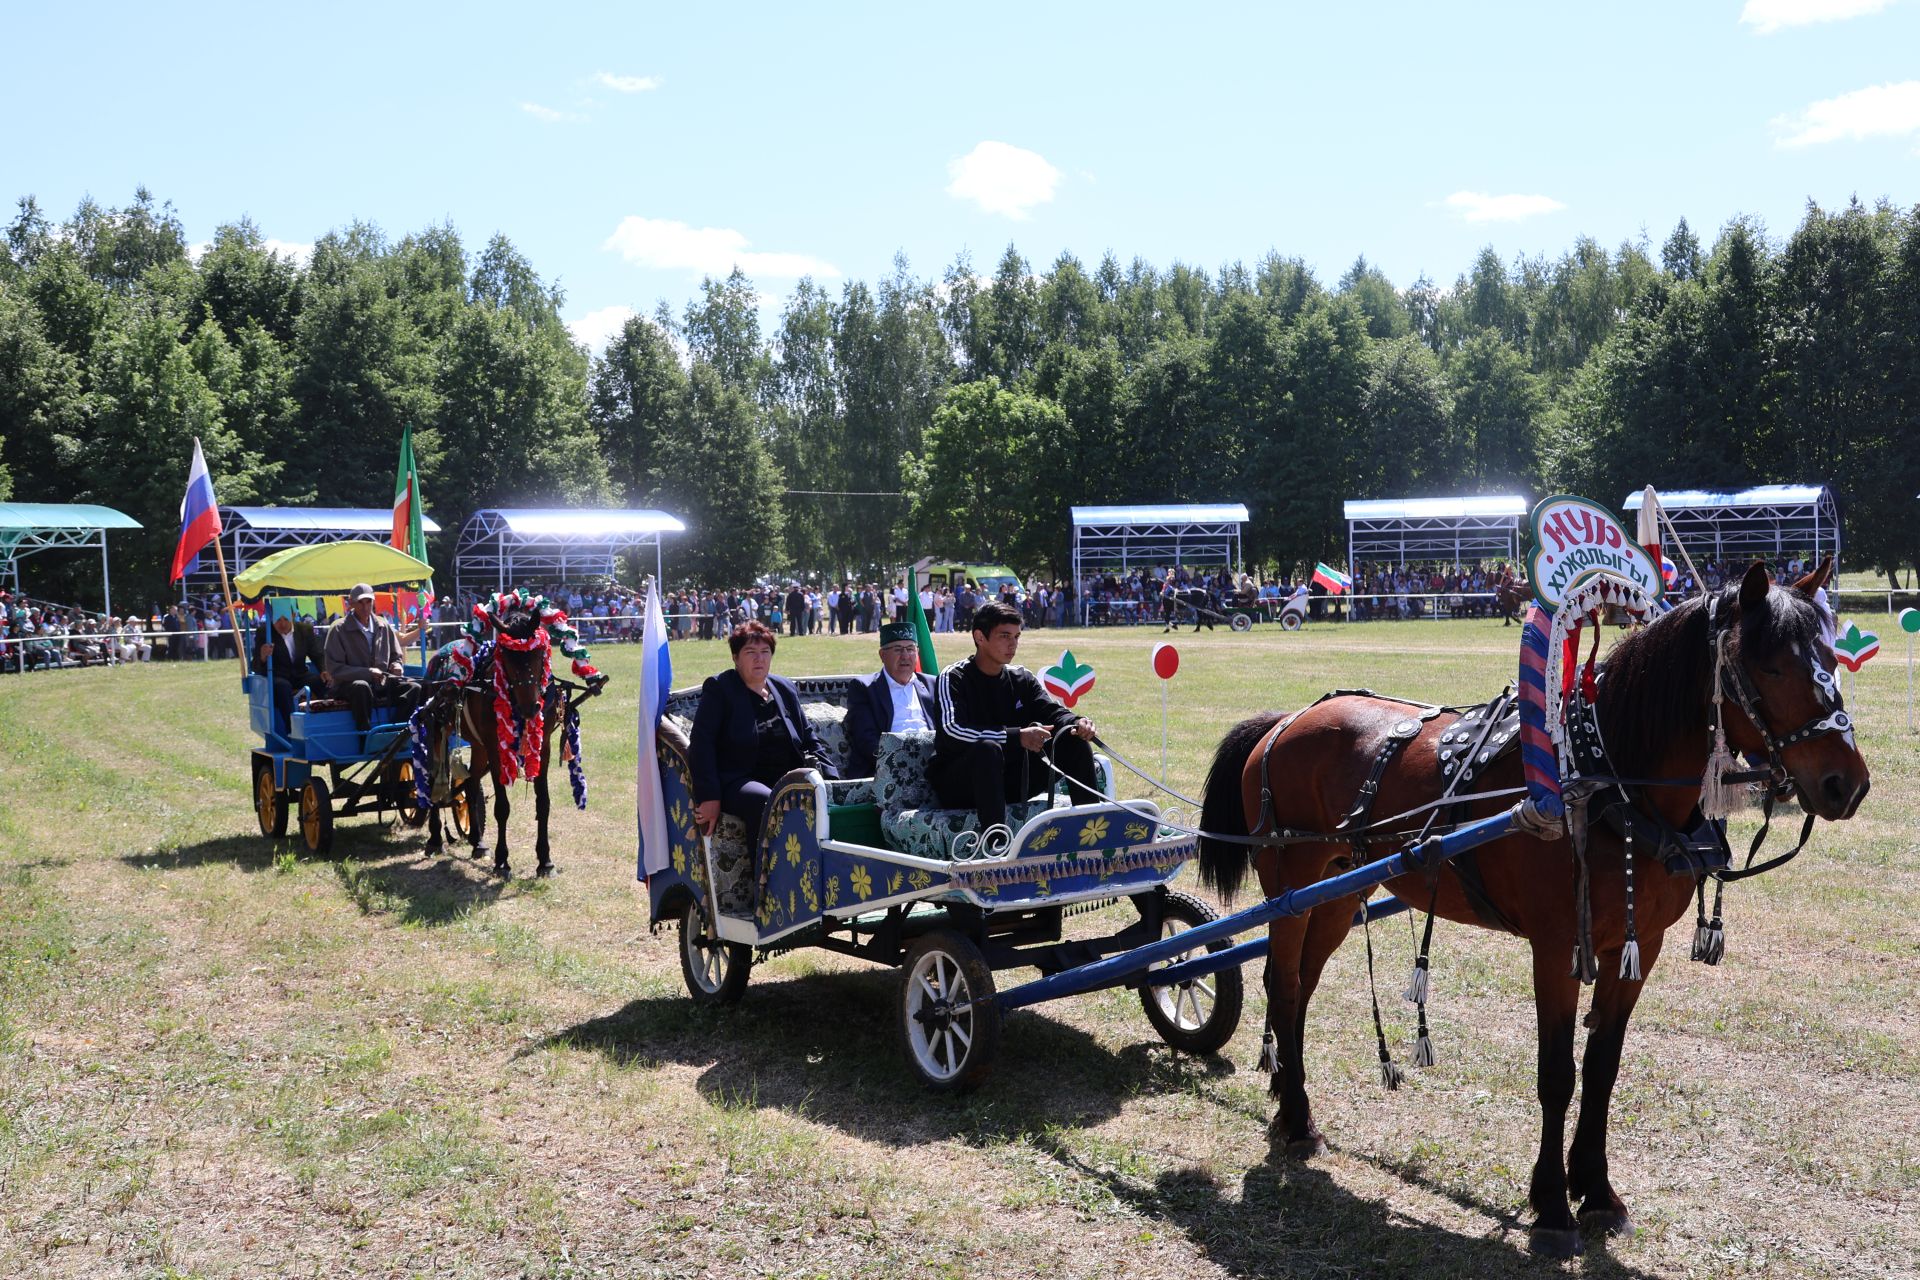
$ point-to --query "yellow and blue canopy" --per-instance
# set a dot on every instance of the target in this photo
(331, 567)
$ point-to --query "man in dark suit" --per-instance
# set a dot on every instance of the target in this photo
(365, 663)
(894, 699)
(286, 655)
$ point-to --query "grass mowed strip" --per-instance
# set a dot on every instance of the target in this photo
(219, 1057)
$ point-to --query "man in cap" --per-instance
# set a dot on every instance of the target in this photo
(894, 699)
(364, 661)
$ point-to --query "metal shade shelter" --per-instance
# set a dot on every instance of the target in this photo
(250, 534)
(1179, 533)
(501, 547)
(1770, 521)
(30, 527)
(1403, 530)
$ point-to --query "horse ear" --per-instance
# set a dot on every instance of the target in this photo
(1754, 587)
(1817, 579)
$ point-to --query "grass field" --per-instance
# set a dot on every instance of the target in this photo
(219, 1057)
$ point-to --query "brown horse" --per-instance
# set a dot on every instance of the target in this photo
(533, 696)
(1653, 705)
(1511, 597)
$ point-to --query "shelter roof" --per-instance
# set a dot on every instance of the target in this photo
(585, 522)
(1174, 513)
(1766, 495)
(1469, 508)
(62, 515)
(323, 519)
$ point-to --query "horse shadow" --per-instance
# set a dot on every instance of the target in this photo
(823, 1047)
(383, 873)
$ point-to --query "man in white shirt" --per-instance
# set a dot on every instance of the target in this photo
(895, 699)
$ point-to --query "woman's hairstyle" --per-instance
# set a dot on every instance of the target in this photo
(748, 633)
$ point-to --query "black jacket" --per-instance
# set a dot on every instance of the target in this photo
(726, 738)
(870, 714)
(280, 664)
(978, 708)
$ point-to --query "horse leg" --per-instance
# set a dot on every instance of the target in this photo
(1286, 1010)
(1613, 1002)
(543, 867)
(501, 808)
(434, 845)
(1556, 997)
(1327, 927)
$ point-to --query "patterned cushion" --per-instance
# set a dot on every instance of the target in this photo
(733, 866)
(851, 791)
(829, 725)
(930, 832)
(900, 772)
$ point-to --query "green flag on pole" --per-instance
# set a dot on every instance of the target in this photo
(408, 534)
(922, 633)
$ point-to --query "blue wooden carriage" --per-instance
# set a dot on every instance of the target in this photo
(323, 766)
(872, 868)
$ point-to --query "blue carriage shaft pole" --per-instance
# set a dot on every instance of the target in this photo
(1294, 902)
(1212, 962)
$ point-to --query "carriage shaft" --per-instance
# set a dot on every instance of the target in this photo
(1115, 970)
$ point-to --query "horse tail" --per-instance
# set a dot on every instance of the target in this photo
(1224, 863)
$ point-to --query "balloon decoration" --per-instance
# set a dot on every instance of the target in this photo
(1166, 661)
(1068, 679)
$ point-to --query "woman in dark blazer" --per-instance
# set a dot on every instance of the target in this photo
(748, 733)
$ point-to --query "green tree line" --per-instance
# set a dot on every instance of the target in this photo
(960, 416)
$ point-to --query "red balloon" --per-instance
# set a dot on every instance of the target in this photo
(1166, 661)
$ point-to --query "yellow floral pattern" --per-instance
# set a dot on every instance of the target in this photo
(1137, 833)
(920, 879)
(1045, 839)
(807, 876)
(862, 883)
(833, 892)
(793, 850)
(893, 885)
(1094, 832)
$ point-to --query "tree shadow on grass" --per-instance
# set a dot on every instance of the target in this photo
(824, 1047)
(383, 873)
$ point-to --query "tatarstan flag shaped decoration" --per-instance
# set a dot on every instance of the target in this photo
(408, 533)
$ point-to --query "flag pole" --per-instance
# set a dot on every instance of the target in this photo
(233, 618)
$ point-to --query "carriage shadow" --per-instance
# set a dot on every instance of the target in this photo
(823, 1047)
(383, 875)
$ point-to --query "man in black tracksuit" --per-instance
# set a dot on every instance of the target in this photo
(990, 715)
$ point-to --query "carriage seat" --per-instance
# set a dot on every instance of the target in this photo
(910, 815)
(823, 700)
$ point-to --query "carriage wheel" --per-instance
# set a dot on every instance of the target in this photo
(949, 1020)
(1199, 1016)
(469, 809)
(715, 971)
(406, 801)
(316, 815)
(1292, 621)
(269, 805)
(1241, 622)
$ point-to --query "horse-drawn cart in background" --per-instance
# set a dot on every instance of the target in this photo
(323, 766)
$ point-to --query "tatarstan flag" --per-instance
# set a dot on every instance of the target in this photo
(408, 534)
(1331, 578)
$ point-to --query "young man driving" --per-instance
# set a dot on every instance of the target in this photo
(994, 719)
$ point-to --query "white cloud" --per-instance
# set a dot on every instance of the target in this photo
(298, 254)
(1769, 16)
(1003, 179)
(674, 246)
(550, 115)
(596, 329)
(627, 84)
(1880, 111)
(1478, 206)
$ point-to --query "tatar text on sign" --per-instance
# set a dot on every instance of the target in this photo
(1574, 539)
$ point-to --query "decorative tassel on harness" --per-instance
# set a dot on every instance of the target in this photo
(1269, 1053)
(1390, 1075)
(1718, 797)
(1416, 993)
(576, 768)
(1630, 953)
(1709, 938)
(422, 783)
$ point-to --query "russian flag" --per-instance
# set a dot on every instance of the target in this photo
(1331, 578)
(656, 681)
(199, 517)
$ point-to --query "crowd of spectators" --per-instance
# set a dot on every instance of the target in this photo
(41, 635)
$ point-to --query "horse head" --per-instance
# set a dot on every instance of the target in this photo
(521, 658)
(1781, 700)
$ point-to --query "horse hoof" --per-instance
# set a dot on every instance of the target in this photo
(1554, 1242)
(1613, 1222)
(545, 871)
(1306, 1148)
(502, 871)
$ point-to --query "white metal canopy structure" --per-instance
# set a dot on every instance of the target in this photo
(30, 527)
(501, 548)
(251, 534)
(1456, 530)
(1107, 538)
(1773, 521)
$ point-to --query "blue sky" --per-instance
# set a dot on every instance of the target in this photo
(628, 149)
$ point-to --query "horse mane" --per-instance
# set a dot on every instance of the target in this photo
(517, 623)
(1658, 678)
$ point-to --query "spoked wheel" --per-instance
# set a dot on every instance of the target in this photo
(949, 1021)
(469, 809)
(316, 815)
(1201, 1015)
(1292, 620)
(715, 971)
(1241, 622)
(405, 799)
(269, 805)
